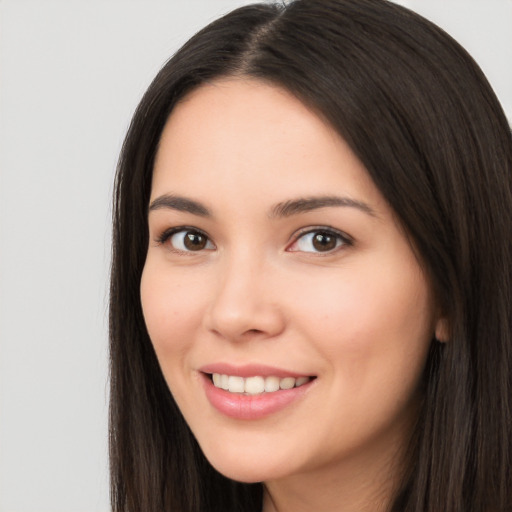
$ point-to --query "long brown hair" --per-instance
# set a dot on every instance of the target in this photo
(421, 116)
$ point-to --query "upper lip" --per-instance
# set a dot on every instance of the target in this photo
(250, 370)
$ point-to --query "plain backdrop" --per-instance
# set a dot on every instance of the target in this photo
(72, 72)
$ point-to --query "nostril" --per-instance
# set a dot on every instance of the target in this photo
(237, 318)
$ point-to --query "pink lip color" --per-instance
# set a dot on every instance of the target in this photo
(249, 370)
(251, 407)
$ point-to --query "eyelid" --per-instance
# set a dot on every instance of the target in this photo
(346, 240)
(165, 236)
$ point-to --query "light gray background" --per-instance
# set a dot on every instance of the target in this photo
(72, 72)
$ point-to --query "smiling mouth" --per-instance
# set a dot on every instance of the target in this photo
(256, 385)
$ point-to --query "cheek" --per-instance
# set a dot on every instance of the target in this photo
(172, 310)
(371, 327)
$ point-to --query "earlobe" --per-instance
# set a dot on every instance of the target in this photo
(442, 330)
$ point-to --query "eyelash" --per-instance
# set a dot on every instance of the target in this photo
(341, 239)
(169, 233)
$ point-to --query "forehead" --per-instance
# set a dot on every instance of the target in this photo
(247, 136)
(244, 115)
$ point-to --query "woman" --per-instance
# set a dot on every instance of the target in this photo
(311, 282)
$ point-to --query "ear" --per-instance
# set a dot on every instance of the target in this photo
(442, 330)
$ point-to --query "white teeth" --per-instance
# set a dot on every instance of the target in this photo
(271, 384)
(287, 383)
(301, 380)
(236, 384)
(224, 382)
(256, 385)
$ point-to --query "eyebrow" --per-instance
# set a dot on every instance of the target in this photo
(280, 210)
(181, 204)
(307, 204)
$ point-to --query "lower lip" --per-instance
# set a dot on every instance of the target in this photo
(252, 407)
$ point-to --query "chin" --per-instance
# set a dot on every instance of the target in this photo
(244, 475)
(246, 469)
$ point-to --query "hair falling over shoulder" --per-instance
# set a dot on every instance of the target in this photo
(440, 153)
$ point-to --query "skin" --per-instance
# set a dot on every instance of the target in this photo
(360, 317)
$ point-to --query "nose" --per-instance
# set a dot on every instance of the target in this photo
(244, 303)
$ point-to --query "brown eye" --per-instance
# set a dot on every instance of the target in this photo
(194, 241)
(189, 240)
(324, 241)
(319, 241)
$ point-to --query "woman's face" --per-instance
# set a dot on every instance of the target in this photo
(274, 262)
